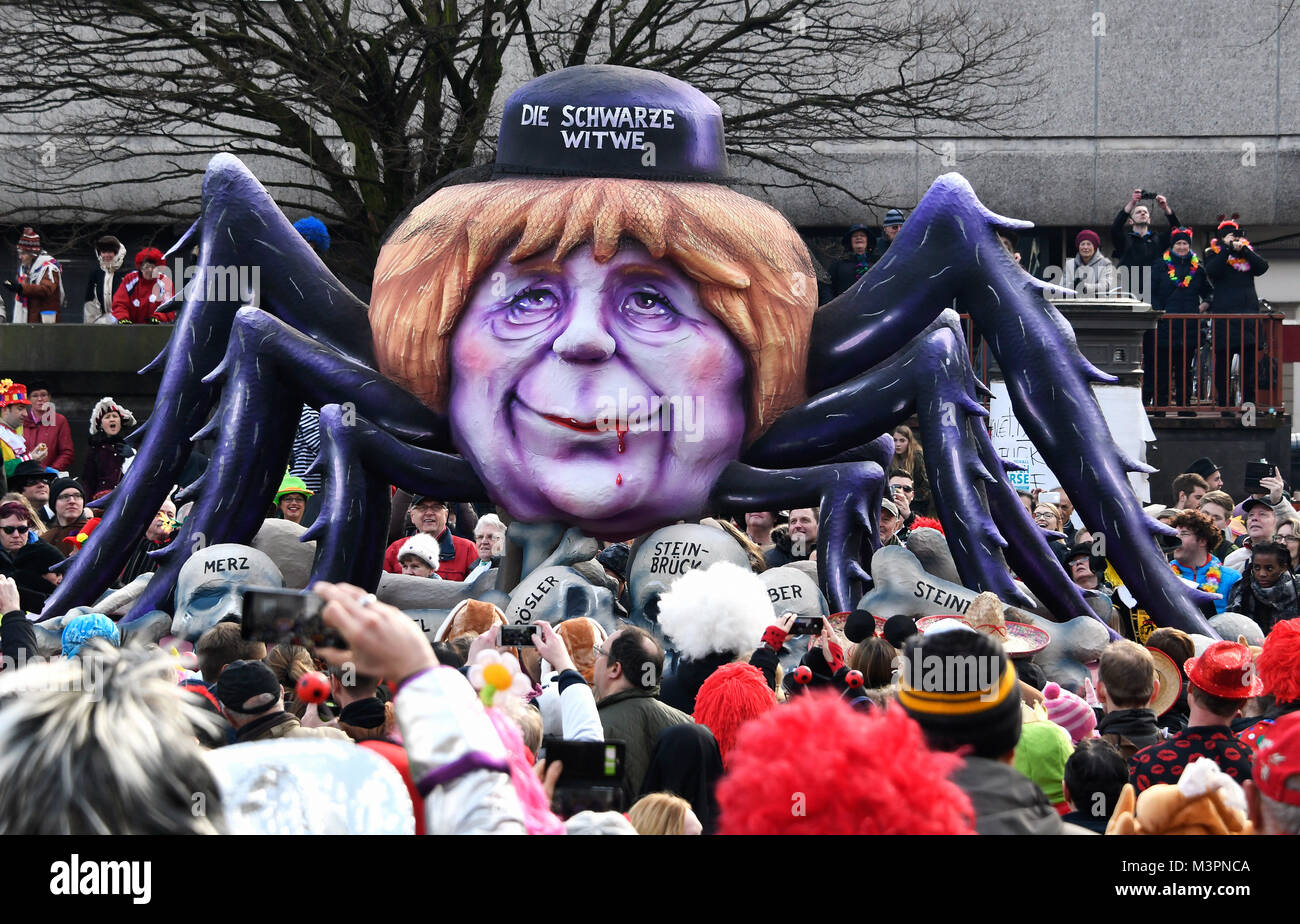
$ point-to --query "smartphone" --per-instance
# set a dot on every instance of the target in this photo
(592, 776)
(278, 616)
(1254, 472)
(517, 636)
(808, 625)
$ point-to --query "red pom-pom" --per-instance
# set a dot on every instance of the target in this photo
(803, 674)
(854, 679)
(313, 687)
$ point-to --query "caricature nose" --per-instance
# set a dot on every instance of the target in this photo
(585, 339)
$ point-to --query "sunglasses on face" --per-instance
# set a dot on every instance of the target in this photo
(904, 488)
(13, 530)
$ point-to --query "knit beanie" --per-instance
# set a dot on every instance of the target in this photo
(1087, 235)
(30, 242)
(1180, 234)
(960, 686)
(422, 546)
(1069, 711)
(731, 696)
(1041, 755)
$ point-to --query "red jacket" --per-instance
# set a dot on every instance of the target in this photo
(453, 564)
(135, 302)
(57, 438)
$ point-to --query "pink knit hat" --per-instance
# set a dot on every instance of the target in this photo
(1069, 711)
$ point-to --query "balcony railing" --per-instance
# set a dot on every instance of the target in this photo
(1196, 365)
(1210, 364)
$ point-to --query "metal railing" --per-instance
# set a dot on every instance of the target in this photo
(1209, 364)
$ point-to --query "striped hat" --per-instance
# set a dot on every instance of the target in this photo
(960, 686)
(1069, 711)
(30, 242)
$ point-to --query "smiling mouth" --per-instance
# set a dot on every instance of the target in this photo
(582, 426)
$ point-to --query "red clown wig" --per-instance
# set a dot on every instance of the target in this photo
(818, 766)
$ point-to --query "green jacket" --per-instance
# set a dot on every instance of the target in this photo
(637, 717)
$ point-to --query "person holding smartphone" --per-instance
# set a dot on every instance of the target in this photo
(1231, 265)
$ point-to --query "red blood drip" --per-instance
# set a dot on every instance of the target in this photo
(622, 445)
(618, 480)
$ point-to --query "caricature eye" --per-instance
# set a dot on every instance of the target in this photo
(649, 310)
(525, 313)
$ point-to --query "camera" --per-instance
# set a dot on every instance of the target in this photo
(1147, 195)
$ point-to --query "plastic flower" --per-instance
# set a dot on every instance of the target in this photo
(493, 672)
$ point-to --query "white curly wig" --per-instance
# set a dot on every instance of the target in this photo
(721, 609)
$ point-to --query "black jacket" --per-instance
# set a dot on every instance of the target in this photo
(1130, 730)
(1234, 290)
(1170, 296)
(1133, 249)
(847, 270)
(17, 638)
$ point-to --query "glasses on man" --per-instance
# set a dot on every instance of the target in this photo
(906, 489)
(599, 652)
(13, 530)
(70, 495)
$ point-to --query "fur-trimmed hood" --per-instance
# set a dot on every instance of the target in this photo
(102, 407)
(118, 260)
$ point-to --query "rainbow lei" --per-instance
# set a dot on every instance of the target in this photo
(1212, 578)
(1240, 264)
(1173, 274)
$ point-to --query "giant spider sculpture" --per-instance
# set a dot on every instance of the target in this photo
(606, 257)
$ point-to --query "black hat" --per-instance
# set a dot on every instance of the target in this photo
(960, 687)
(248, 687)
(1180, 234)
(603, 120)
(847, 241)
(893, 218)
(1227, 225)
(38, 557)
(614, 558)
(1204, 466)
(62, 484)
(29, 471)
(898, 629)
(417, 499)
(1251, 503)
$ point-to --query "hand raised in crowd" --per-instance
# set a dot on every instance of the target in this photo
(9, 596)
(550, 645)
(1163, 203)
(1135, 198)
(382, 640)
(482, 643)
(1273, 484)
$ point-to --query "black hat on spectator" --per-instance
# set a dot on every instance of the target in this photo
(25, 472)
(417, 499)
(248, 687)
(1252, 502)
(1180, 234)
(62, 484)
(1204, 466)
(1229, 225)
(853, 229)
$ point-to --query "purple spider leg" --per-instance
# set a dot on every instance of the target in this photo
(268, 371)
(849, 496)
(239, 229)
(933, 377)
(352, 528)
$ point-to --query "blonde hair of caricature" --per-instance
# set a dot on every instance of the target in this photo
(753, 271)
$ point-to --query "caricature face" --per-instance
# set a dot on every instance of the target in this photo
(557, 370)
